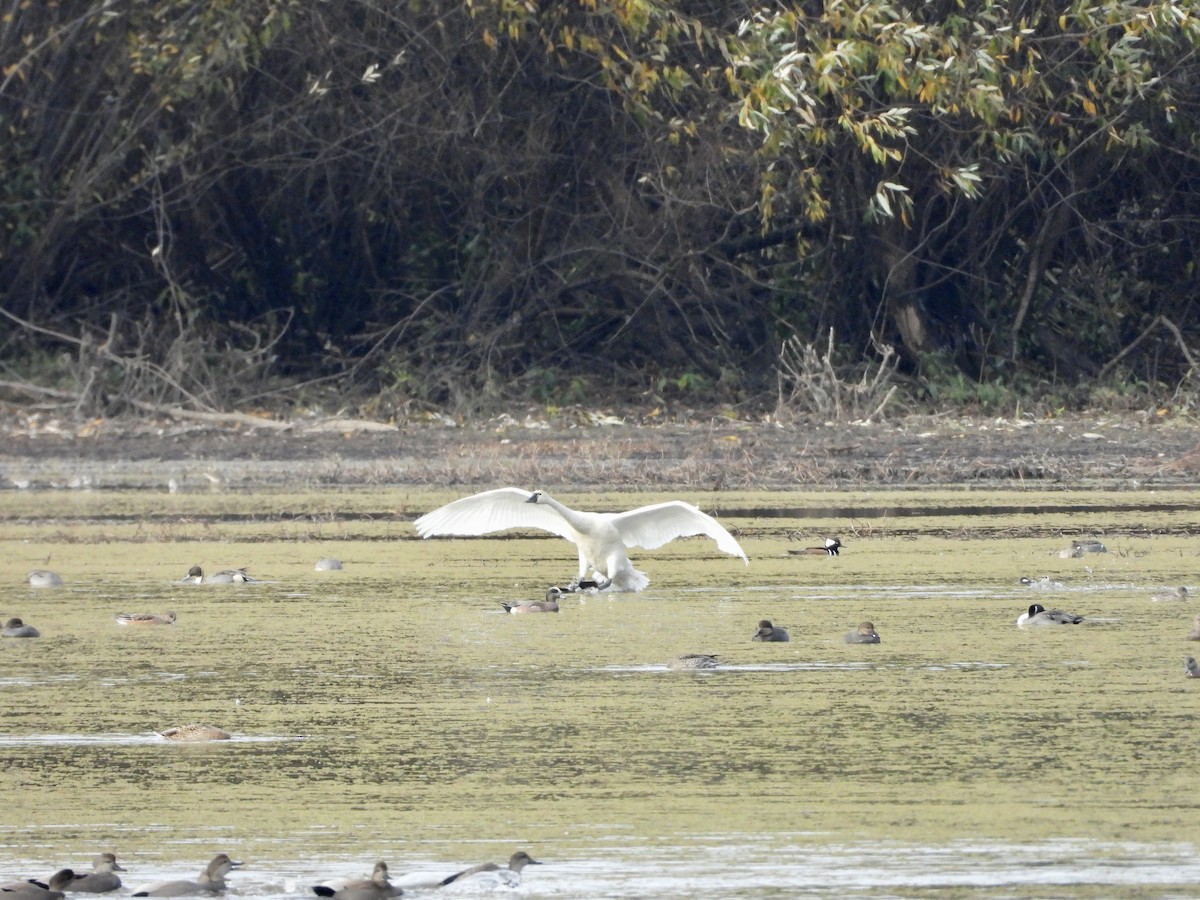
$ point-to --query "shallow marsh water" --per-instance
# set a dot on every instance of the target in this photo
(393, 711)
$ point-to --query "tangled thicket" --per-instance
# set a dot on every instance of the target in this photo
(449, 201)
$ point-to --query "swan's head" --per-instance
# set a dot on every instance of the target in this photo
(535, 497)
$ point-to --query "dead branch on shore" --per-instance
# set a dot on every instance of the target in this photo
(809, 384)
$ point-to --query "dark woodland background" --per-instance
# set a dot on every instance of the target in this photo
(436, 204)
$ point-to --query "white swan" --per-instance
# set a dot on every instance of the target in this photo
(600, 538)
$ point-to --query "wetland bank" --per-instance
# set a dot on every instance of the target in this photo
(393, 711)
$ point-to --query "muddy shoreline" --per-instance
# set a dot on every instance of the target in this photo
(609, 451)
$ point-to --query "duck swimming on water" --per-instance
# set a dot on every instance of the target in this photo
(16, 628)
(831, 548)
(531, 606)
(510, 876)
(194, 733)
(865, 633)
(693, 661)
(210, 881)
(196, 575)
(102, 879)
(167, 618)
(43, 578)
(35, 890)
(377, 887)
(1038, 615)
(770, 634)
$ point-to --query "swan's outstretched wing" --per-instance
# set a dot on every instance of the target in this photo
(653, 526)
(492, 511)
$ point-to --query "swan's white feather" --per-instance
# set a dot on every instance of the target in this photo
(490, 511)
(661, 523)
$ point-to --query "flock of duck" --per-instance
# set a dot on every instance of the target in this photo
(104, 879)
(601, 540)
(192, 732)
(1037, 615)
(865, 633)
(43, 578)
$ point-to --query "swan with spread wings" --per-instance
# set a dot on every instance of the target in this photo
(600, 538)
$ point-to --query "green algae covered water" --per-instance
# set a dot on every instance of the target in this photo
(393, 711)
